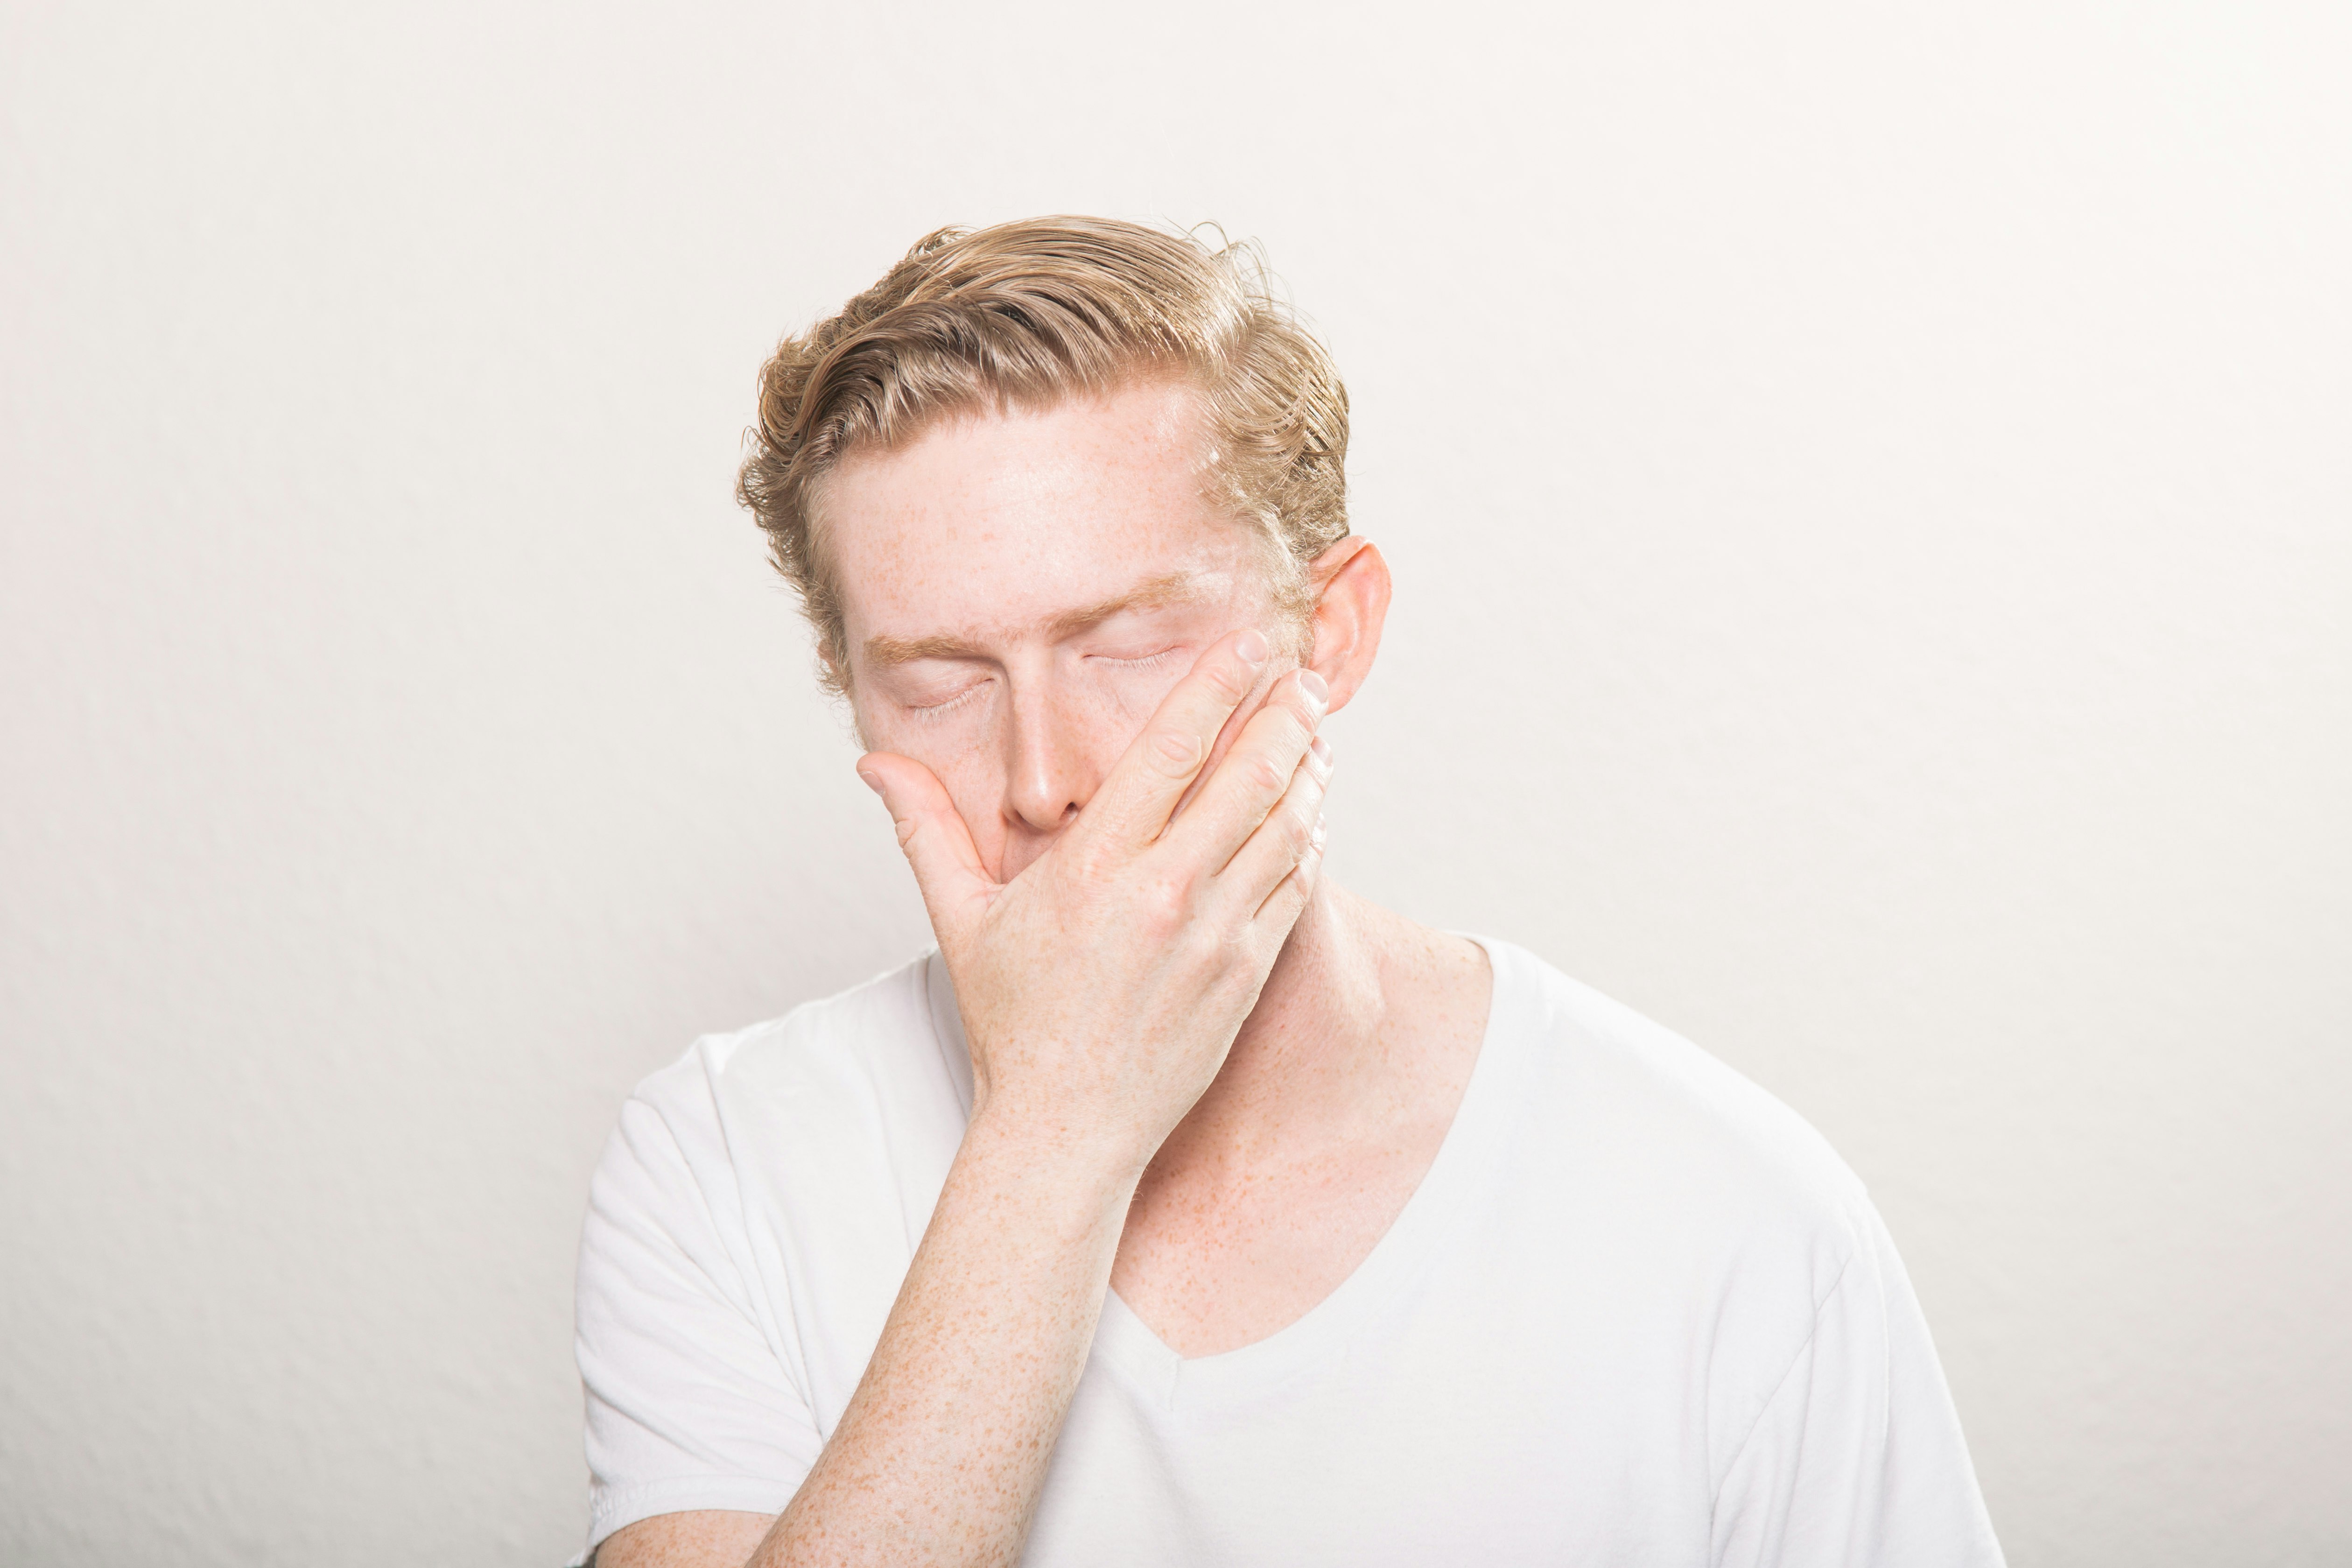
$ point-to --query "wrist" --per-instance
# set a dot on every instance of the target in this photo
(1087, 1164)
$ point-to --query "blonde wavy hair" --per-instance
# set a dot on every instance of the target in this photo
(1024, 315)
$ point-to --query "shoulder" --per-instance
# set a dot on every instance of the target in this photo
(872, 1035)
(786, 1171)
(789, 1092)
(1680, 1137)
(1720, 1227)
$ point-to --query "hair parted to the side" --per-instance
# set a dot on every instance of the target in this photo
(1025, 315)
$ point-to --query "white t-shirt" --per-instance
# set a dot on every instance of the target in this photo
(1636, 1313)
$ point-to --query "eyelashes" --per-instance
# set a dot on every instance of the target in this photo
(1144, 661)
(1116, 666)
(947, 704)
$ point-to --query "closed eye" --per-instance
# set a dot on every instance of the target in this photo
(934, 710)
(1139, 662)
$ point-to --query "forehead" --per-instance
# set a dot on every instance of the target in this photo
(1004, 520)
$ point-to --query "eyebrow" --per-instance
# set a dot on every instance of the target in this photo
(1151, 593)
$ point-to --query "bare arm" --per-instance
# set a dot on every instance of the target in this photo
(1100, 991)
(941, 1452)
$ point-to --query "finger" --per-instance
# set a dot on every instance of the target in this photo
(957, 889)
(1134, 803)
(1234, 801)
(1288, 900)
(1283, 840)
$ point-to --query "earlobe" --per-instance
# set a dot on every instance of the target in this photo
(1352, 603)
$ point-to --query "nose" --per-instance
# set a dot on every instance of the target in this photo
(1052, 775)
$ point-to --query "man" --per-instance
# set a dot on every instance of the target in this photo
(1183, 1207)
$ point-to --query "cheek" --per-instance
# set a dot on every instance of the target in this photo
(1105, 710)
(1128, 699)
(966, 754)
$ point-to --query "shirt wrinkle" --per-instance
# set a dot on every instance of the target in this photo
(739, 1297)
(1780, 1383)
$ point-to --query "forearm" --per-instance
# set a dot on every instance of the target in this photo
(941, 1454)
(1099, 989)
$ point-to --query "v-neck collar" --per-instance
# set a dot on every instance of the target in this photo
(1471, 1145)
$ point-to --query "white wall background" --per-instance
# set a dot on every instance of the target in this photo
(1872, 493)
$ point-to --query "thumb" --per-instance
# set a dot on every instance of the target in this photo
(957, 889)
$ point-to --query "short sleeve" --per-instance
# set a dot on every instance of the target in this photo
(1857, 1459)
(689, 1404)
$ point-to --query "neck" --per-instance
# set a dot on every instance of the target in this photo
(1304, 1071)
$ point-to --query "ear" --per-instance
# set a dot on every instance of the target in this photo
(1350, 583)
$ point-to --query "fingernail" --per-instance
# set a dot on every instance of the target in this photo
(1322, 750)
(873, 781)
(1313, 685)
(1252, 646)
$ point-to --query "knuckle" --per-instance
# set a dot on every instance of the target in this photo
(1166, 905)
(1298, 835)
(1176, 751)
(1089, 860)
(1203, 946)
(1226, 681)
(1263, 771)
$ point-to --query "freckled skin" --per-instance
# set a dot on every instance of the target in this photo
(988, 529)
(1204, 1076)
